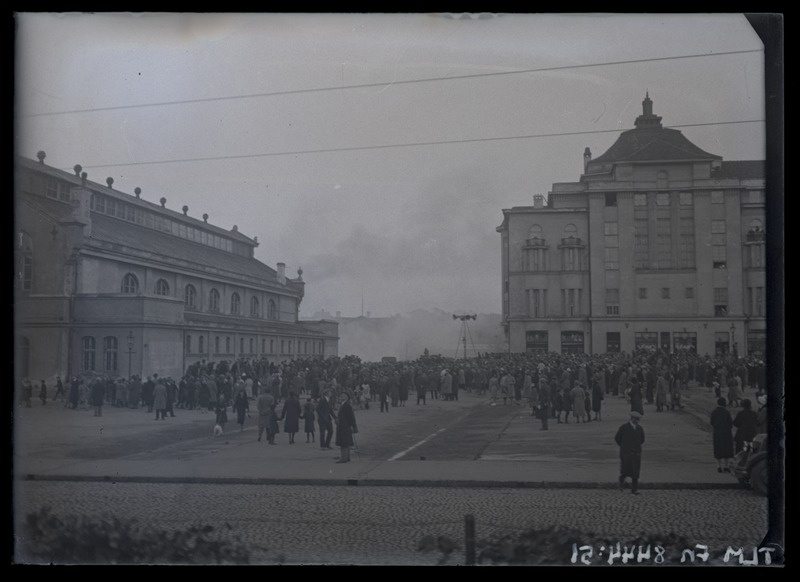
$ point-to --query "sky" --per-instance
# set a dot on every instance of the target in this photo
(347, 143)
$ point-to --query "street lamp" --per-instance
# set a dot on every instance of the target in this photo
(130, 351)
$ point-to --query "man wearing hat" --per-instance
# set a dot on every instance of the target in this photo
(630, 438)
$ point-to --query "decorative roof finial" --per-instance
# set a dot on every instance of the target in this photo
(110, 181)
(41, 155)
(163, 202)
(137, 191)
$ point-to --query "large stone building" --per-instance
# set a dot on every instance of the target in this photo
(111, 283)
(658, 244)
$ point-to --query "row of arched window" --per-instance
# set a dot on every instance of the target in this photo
(130, 285)
(570, 230)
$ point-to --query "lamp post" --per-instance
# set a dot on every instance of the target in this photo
(130, 351)
(733, 329)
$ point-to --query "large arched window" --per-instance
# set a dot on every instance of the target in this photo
(756, 225)
(87, 360)
(190, 297)
(535, 231)
(570, 230)
(272, 310)
(110, 353)
(188, 344)
(235, 304)
(130, 284)
(201, 347)
(228, 345)
(216, 345)
(162, 287)
(213, 300)
(254, 307)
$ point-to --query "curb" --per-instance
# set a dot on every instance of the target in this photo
(375, 482)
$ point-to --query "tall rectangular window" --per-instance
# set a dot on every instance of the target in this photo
(571, 307)
(611, 234)
(663, 236)
(665, 293)
(687, 250)
(612, 301)
(87, 361)
(720, 301)
(642, 292)
(686, 199)
(641, 244)
(689, 293)
(537, 306)
(611, 198)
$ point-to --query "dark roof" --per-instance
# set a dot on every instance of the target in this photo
(60, 211)
(741, 169)
(131, 199)
(653, 144)
(116, 231)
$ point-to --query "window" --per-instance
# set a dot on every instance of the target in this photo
(662, 199)
(228, 345)
(241, 345)
(213, 300)
(254, 307)
(263, 345)
(201, 344)
(190, 296)
(272, 312)
(686, 199)
(570, 230)
(27, 272)
(687, 251)
(689, 293)
(536, 342)
(722, 342)
(535, 231)
(685, 342)
(162, 287)
(235, 304)
(283, 347)
(611, 258)
(642, 292)
(537, 302)
(611, 228)
(717, 197)
(252, 346)
(663, 237)
(87, 362)
(662, 179)
(640, 199)
(271, 346)
(188, 344)
(641, 235)
(756, 301)
(647, 340)
(665, 293)
(216, 345)
(717, 227)
(130, 284)
(612, 301)
(720, 301)
(571, 342)
(611, 198)
(572, 308)
(51, 189)
(612, 341)
(291, 345)
(110, 354)
(756, 196)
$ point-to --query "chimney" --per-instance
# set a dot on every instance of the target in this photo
(587, 157)
(538, 200)
(282, 273)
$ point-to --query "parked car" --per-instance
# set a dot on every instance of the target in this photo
(750, 465)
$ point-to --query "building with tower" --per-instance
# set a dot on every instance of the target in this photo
(659, 244)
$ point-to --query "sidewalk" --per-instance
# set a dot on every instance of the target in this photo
(53, 443)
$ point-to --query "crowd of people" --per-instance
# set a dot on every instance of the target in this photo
(555, 387)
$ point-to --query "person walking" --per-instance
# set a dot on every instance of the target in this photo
(578, 402)
(27, 392)
(630, 438)
(544, 403)
(597, 397)
(421, 383)
(635, 395)
(59, 389)
(241, 405)
(74, 392)
(746, 423)
(221, 412)
(325, 416)
(722, 436)
(264, 405)
(384, 393)
(160, 399)
(290, 414)
(308, 417)
(345, 428)
(494, 388)
(43, 393)
(98, 396)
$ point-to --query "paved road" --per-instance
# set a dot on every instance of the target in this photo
(383, 525)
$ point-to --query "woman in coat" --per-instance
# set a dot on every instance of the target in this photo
(160, 400)
(345, 428)
(308, 416)
(579, 402)
(722, 436)
(597, 397)
(746, 423)
(291, 416)
(661, 392)
(241, 406)
(636, 397)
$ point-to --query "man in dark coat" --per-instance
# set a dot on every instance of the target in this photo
(630, 438)
(324, 416)
(345, 428)
(722, 436)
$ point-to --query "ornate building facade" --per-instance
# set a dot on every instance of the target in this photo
(659, 244)
(108, 282)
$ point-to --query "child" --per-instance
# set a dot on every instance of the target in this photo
(308, 415)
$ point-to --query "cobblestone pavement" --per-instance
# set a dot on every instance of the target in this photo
(383, 525)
